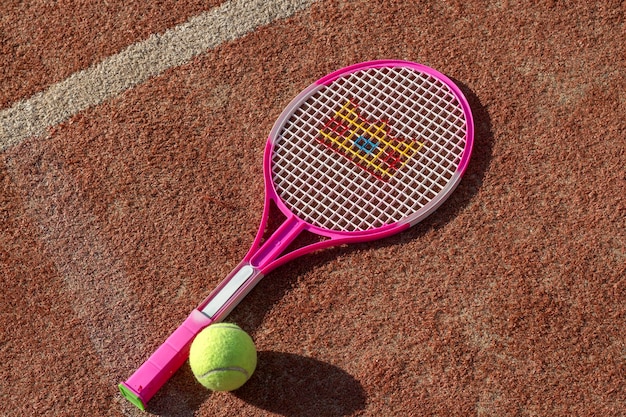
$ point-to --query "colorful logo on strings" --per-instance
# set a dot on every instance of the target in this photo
(369, 145)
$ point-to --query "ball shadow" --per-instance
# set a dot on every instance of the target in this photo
(294, 385)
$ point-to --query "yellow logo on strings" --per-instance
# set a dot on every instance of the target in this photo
(369, 145)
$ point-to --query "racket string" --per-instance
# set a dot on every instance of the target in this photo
(351, 192)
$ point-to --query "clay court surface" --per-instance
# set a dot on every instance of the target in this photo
(131, 145)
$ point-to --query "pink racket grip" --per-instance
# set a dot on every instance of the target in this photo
(154, 373)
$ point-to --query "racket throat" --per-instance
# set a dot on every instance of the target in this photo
(246, 275)
(276, 244)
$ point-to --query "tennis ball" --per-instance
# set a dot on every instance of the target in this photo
(222, 357)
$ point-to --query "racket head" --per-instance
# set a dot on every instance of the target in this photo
(371, 148)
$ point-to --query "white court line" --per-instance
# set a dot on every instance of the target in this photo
(137, 63)
(83, 255)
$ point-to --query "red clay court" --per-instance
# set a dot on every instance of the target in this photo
(131, 148)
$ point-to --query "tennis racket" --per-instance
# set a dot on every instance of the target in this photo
(361, 154)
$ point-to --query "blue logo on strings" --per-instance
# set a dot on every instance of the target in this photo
(365, 145)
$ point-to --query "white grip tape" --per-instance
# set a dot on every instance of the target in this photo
(227, 292)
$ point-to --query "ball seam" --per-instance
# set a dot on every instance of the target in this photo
(230, 368)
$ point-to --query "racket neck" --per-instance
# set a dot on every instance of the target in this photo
(276, 244)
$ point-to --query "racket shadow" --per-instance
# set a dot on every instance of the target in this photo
(273, 288)
(294, 385)
(472, 179)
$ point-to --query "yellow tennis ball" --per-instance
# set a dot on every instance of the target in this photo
(222, 357)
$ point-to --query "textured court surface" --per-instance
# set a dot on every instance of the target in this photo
(131, 141)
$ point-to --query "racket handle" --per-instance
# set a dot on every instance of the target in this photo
(167, 359)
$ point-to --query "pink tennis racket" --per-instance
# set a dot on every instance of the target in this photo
(363, 153)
